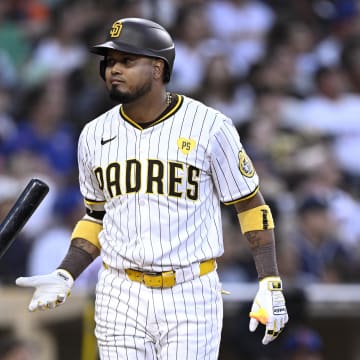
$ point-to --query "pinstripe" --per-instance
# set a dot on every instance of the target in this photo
(211, 316)
(204, 315)
(178, 213)
(156, 333)
(136, 330)
(203, 211)
(147, 320)
(169, 213)
(118, 149)
(165, 319)
(158, 207)
(197, 324)
(123, 313)
(223, 178)
(225, 156)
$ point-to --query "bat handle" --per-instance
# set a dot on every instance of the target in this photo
(19, 214)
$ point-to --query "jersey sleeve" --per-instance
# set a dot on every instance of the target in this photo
(89, 186)
(233, 172)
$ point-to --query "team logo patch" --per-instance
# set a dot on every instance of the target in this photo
(245, 165)
(185, 145)
(116, 29)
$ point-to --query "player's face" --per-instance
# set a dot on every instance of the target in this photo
(128, 77)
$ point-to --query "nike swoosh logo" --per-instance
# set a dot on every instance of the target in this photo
(103, 142)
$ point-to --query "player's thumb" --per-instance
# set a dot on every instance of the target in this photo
(257, 314)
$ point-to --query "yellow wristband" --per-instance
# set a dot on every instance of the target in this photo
(88, 230)
(258, 218)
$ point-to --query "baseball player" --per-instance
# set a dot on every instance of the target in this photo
(153, 171)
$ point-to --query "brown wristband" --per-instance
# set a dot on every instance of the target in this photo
(76, 260)
(265, 261)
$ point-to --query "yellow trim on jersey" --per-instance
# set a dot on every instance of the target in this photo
(172, 111)
(131, 121)
(249, 196)
(167, 115)
(88, 230)
(258, 218)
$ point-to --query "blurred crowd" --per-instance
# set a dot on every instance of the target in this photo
(286, 72)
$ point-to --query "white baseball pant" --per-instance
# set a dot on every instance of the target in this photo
(179, 323)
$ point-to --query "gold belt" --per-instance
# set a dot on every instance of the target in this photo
(166, 279)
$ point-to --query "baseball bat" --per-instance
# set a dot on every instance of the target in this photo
(25, 205)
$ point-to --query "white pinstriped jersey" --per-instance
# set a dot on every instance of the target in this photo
(159, 184)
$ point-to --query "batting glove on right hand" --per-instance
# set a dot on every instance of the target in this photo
(269, 309)
(50, 290)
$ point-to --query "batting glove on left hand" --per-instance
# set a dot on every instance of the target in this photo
(50, 290)
(269, 309)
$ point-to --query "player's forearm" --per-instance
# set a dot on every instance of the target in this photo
(80, 255)
(257, 226)
(262, 245)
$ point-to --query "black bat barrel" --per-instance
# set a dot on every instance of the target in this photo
(19, 214)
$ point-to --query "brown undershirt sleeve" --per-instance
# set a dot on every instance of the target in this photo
(80, 255)
(262, 246)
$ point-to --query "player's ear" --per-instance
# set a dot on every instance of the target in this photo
(158, 68)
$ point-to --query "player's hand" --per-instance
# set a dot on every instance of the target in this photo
(269, 309)
(50, 290)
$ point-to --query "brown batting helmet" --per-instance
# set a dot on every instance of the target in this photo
(141, 37)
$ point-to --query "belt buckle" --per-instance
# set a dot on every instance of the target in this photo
(166, 279)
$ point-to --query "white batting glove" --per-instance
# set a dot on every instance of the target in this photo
(269, 309)
(50, 290)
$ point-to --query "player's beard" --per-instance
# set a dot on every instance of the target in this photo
(123, 97)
